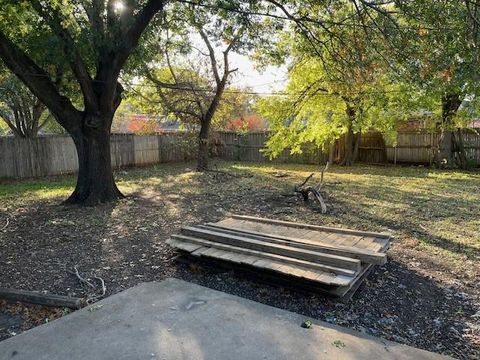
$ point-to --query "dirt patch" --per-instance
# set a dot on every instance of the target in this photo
(427, 295)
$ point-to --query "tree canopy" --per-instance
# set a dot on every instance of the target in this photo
(359, 66)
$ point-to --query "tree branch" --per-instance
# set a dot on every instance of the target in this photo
(39, 82)
(133, 33)
(110, 66)
(70, 50)
(211, 54)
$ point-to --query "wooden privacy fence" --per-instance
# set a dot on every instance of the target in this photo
(250, 146)
(56, 154)
(415, 147)
(420, 147)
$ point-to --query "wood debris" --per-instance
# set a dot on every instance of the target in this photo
(305, 191)
(332, 260)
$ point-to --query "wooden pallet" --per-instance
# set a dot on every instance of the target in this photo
(334, 259)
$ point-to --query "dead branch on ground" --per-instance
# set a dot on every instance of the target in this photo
(305, 191)
(93, 295)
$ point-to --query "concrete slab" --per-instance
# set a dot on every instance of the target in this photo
(174, 319)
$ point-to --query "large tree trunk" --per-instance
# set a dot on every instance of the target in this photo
(460, 150)
(351, 141)
(348, 148)
(446, 141)
(351, 144)
(202, 160)
(95, 181)
(445, 149)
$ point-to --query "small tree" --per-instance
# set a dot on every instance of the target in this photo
(189, 93)
(23, 113)
(195, 70)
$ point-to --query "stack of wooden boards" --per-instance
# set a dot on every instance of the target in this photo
(332, 260)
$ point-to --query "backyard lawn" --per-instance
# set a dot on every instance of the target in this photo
(427, 295)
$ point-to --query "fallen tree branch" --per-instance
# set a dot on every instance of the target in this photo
(315, 191)
(306, 180)
(104, 288)
(324, 170)
(38, 298)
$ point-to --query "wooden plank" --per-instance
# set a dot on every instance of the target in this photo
(312, 227)
(350, 240)
(224, 255)
(367, 256)
(369, 244)
(278, 267)
(278, 258)
(208, 252)
(183, 246)
(302, 254)
(199, 251)
(315, 235)
(247, 259)
(33, 297)
(347, 292)
(266, 275)
(268, 264)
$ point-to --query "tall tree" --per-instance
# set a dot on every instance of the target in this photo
(96, 39)
(442, 58)
(338, 82)
(195, 61)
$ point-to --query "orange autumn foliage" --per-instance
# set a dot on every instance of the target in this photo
(247, 123)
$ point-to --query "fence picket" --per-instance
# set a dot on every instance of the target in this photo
(55, 155)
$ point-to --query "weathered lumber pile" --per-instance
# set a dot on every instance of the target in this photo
(332, 260)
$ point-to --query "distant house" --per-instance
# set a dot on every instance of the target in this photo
(412, 124)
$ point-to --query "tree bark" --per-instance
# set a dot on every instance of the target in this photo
(356, 146)
(446, 142)
(460, 150)
(95, 181)
(351, 141)
(202, 160)
(331, 152)
(348, 148)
